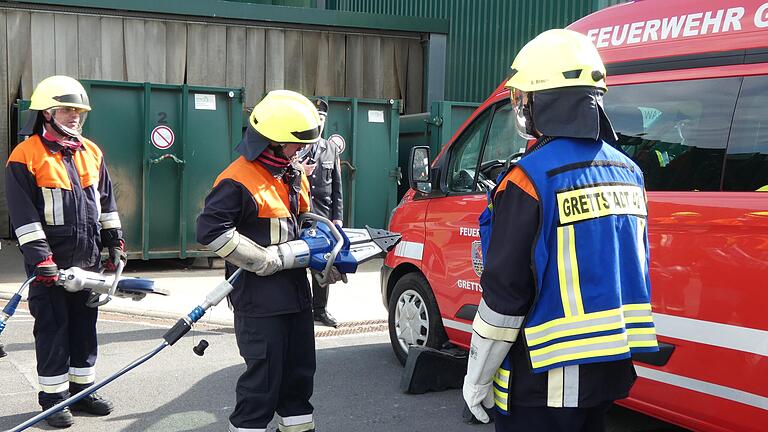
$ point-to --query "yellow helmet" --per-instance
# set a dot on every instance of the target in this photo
(557, 58)
(59, 91)
(284, 116)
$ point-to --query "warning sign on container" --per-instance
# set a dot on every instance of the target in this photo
(162, 137)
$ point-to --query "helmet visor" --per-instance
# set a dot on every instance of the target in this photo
(523, 117)
(70, 120)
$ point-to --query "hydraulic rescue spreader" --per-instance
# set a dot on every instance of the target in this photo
(321, 245)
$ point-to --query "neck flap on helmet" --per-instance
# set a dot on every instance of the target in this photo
(252, 144)
(574, 112)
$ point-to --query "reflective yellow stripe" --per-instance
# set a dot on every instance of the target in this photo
(580, 349)
(555, 388)
(568, 271)
(582, 324)
(637, 307)
(501, 378)
(496, 333)
(638, 319)
(500, 398)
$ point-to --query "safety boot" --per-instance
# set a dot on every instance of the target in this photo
(2, 351)
(60, 419)
(93, 404)
(325, 318)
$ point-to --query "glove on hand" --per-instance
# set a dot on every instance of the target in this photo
(485, 357)
(271, 264)
(116, 253)
(334, 276)
(46, 272)
(477, 397)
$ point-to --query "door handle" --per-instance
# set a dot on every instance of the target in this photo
(166, 156)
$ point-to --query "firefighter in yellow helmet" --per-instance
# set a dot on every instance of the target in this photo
(63, 211)
(566, 290)
(255, 203)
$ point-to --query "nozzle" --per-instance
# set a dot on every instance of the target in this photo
(201, 347)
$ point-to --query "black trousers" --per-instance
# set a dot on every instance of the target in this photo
(319, 295)
(279, 353)
(547, 419)
(65, 341)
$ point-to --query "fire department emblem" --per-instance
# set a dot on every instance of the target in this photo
(477, 257)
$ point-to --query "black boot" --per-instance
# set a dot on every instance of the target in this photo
(93, 404)
(60, 419)
(325, 318)
(2, 351)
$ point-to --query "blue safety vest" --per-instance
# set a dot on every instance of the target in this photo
(589, 258)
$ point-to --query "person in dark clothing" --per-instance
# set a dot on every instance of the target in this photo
(254, 205)
(63, 209)
(567, 259)
(322, 166)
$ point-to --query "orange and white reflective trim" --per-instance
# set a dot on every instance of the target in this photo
(54, 384)
(493, 325)
(53, 206)
(278, 230)
(110, 220)
(563, 387)
(30, 232)
(412, 250)
(224, 244)
(299, 423)
(85, 375)
(233, 428)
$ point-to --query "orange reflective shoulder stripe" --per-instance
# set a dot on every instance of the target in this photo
(88, 163)
(518, 177)
(46, 167)
(270, 194)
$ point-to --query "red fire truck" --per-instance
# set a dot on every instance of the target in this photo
(688, 96)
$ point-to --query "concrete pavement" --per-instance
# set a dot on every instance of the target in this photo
(355, 304)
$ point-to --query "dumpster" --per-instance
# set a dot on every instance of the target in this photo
(432, 129)
(369, 162)
(164, 146)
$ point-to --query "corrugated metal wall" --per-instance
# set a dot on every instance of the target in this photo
(260, 59)
(484, 35)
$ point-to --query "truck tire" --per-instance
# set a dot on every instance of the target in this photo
(414, 318)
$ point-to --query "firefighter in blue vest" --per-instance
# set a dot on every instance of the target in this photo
(255, 203)
(63, 210)
(566, 289)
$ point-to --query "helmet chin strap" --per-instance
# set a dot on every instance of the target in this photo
(277, 151)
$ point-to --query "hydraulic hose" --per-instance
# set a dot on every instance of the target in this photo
(182, 326)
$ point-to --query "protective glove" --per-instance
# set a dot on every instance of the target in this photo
(334, 276)
(485, 357)
(270, 263)
(46, 272)
(116, 253)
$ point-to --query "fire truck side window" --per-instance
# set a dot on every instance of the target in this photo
(746, 164)
(503, 142)
(675, 131)
(466, 153)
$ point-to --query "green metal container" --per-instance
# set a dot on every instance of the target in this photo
(164, 146)
(369, 162)
(433, 129)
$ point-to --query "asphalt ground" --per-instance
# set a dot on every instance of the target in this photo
(356, 384)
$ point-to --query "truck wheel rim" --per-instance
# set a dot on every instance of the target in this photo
(411, 320)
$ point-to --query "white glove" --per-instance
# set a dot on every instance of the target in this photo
(485, 357)
(270, 263)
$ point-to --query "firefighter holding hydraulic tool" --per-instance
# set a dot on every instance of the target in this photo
(63, 209)
(254, 205)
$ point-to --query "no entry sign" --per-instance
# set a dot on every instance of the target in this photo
(162, 137)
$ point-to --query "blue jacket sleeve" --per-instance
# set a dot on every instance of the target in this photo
(21, 193)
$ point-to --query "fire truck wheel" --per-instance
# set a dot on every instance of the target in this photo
(414, 318)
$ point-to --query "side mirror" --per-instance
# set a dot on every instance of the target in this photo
(418, 175)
